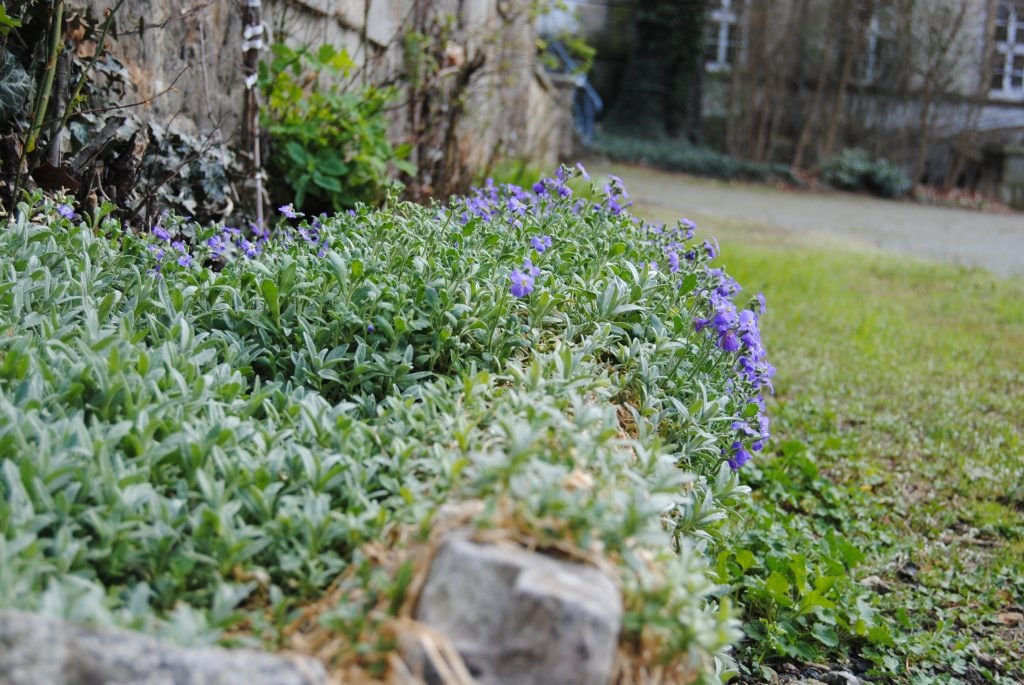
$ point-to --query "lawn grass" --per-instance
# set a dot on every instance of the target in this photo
(899, 424)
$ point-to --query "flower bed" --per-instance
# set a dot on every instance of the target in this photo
(202, 427)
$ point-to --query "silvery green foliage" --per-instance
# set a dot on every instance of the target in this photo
(15, 87)
(199, 415)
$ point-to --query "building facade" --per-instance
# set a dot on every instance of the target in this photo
(935, 85)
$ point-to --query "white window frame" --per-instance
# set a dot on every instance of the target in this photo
(874, 33)
(721, 18)
(1006, 51)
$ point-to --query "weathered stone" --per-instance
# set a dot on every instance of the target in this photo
(37, 649)
(521, 617)
(841, 678)
(182, 60)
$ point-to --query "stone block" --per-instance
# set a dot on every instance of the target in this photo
(523, 618)
(38, 649)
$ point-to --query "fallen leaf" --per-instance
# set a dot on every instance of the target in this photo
(1011, 618)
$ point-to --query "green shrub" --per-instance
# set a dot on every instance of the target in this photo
(200, 428)
(681, 156)
(330, 146)
(855, 170)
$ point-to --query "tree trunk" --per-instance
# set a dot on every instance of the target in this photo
(924, 129)
(810, 122)
(853, 48)
(968, 140)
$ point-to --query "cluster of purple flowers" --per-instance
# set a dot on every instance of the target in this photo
(734, 330)
(554, 186)
(230, 241)
(160, 252)
(756, 434)
(491, 199)
(671, 241)
(616, 197)
(737, 331)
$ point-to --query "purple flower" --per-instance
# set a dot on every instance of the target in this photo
(522, 283)
(288, 210)
(539, 188)
(565, 191)
(185, 260)
(66, 211)
(158, 252)
(161, 233)
(262, 233)
(729, 342)
(673, 261)
(310, 236)
(725, 319)
(370, 328)
(249, 249)
(583, 172)
(179, 246)
(761, 302)
(739, 457)
(529, 269)
(217, 244)
(711, 247)
(540, 242)
(688, 228)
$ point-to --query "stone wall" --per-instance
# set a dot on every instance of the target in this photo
(184, 59)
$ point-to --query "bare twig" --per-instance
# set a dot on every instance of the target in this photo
(147, 101)
(206, 78)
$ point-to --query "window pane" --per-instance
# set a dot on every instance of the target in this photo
(733, 45)
(1003, 22)
(711, 43)
(997, 77)
(1017, 75)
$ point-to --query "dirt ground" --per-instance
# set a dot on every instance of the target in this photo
(743, 211)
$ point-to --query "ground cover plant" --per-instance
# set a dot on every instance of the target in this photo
(886, 533)
(855, 170)
(682, 156)
(202, 427)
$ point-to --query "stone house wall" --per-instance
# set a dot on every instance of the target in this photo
(184, 59)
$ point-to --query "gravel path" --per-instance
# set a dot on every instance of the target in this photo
(968, 238)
